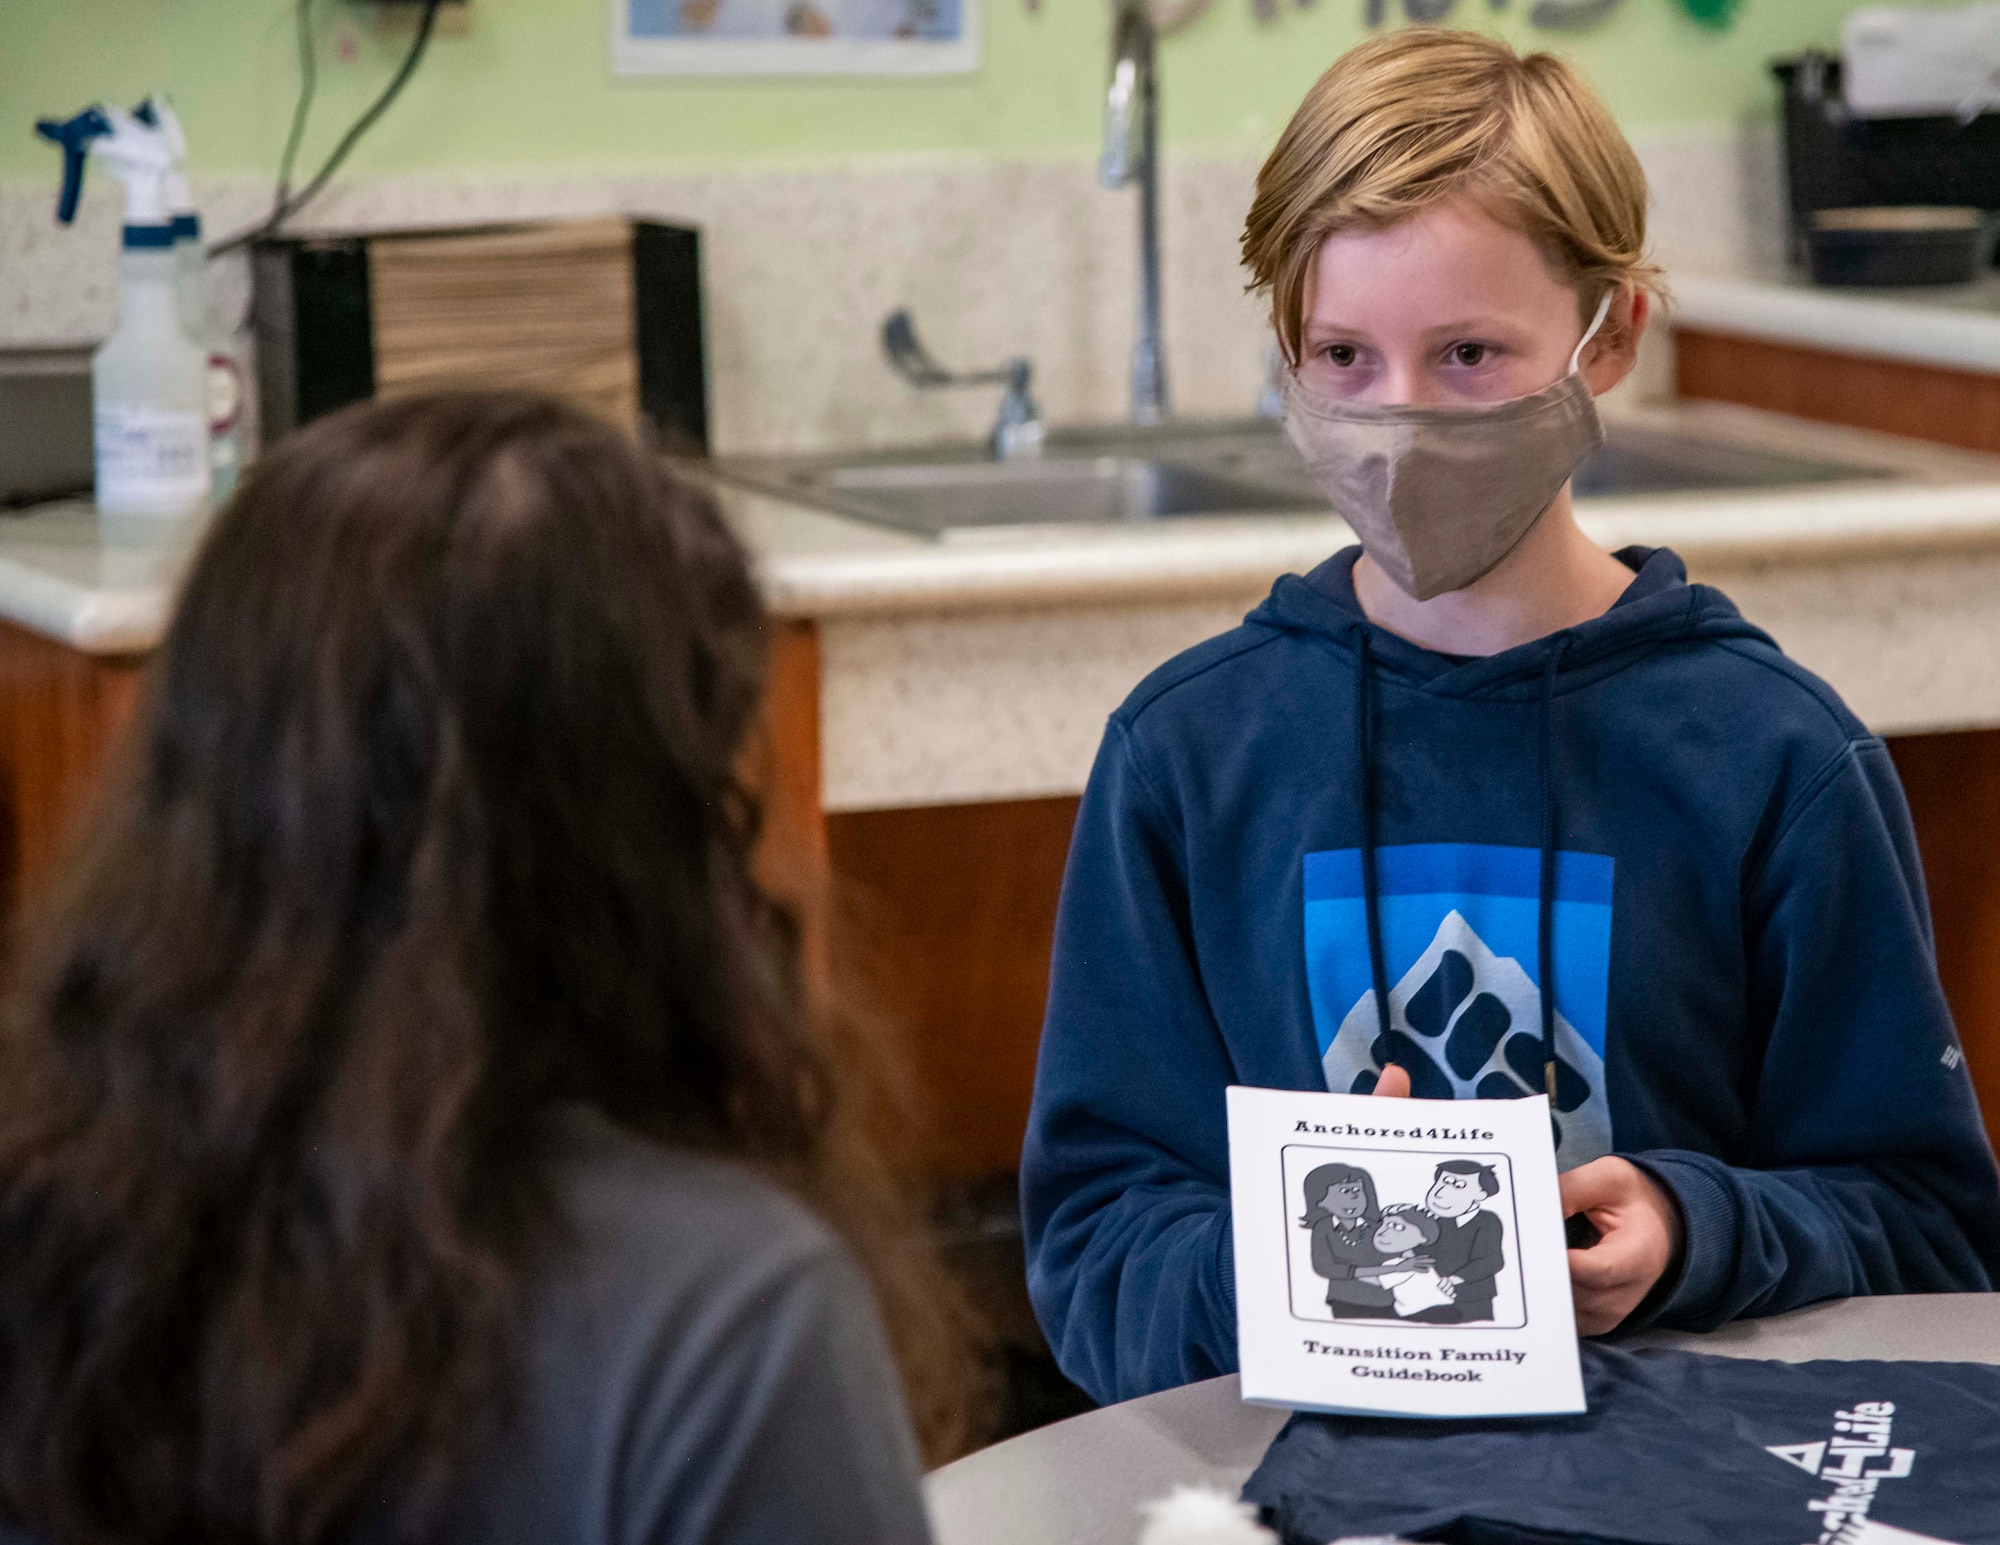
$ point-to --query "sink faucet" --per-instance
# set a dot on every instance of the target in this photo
(1017, 431)
(1132, 154)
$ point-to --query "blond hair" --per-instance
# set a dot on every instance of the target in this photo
(1410, 118)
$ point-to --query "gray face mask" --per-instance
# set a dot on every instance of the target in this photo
(1439, 495)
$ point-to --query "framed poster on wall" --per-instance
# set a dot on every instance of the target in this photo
(794, 37)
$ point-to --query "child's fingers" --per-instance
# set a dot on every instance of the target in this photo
(1605, 1292)
(1613, 1276)
(1606, 1266)
(1598, 1314)
(1394, 1083)
(1601, 1183)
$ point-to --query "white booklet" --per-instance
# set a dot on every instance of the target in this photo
(1400, 1257)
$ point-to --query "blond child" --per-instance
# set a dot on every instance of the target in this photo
(1479, 809)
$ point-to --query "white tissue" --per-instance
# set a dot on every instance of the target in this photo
(1201, 1515)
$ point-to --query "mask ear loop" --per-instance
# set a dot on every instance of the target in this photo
(1590, 332)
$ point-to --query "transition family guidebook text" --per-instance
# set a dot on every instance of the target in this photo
(1400, 1257)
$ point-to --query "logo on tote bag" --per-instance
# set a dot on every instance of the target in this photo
(1460, 930)
(1855, 1461)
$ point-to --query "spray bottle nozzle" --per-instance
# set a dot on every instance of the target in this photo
(157, 113)
(141, 155)
(75, 136)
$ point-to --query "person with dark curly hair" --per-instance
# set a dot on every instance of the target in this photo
(411, 1123)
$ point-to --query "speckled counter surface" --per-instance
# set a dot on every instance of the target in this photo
(1956, 327)
(955, 671)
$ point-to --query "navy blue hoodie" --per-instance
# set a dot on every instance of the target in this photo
(1309, 848)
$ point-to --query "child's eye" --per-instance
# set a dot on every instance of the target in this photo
(1468, 353)
(1341, 354)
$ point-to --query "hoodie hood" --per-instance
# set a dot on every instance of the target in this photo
(1659, 607)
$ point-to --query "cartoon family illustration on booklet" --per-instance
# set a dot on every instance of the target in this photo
(1433, 1261)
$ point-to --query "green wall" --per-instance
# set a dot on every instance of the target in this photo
(529, 85)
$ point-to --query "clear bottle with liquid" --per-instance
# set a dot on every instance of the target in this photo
(149, 379)
(149, 389)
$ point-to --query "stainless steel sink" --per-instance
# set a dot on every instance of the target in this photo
(1064, 491)
(1123, 477)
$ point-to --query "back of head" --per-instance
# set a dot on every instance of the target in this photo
(1411, 118)
(430, 822)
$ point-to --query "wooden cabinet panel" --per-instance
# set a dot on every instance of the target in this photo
(781, 764)
(1953, 784)
(1955, 407)
(61, 714)
(942, 923)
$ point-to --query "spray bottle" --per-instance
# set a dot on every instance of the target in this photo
(225, 377)
(149, 385)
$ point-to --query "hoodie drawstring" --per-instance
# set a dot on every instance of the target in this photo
(1545, 914)
(1365, 776)
(1370, 889)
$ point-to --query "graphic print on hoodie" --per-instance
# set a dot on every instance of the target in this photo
(1459, 940)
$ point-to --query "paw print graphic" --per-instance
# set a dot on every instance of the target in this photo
(1453, 1029)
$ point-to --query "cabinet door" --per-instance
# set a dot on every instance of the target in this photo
(61, 714)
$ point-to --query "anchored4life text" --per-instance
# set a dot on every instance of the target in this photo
(1434, 1134)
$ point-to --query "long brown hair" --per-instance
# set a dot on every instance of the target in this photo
(430, 820)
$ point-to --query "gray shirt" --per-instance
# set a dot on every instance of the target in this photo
(704, 1363)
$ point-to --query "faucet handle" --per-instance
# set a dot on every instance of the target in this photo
(911, 359)
(1018, 429)
(913, 362)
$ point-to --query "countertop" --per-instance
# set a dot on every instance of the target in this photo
(66, 575)
(1956, 327)
(100, 586)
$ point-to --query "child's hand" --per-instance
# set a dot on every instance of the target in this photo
(1641, 1229)
(1639, 1222)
